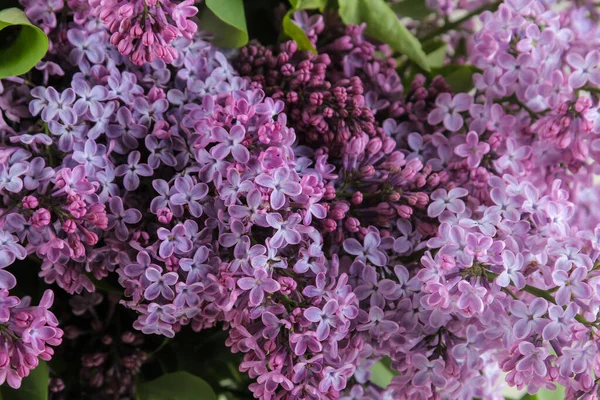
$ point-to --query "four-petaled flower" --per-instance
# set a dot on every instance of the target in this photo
(258, 285)
(473, 150)
(282, 184)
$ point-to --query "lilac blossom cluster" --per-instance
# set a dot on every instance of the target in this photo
(144, 29)
(320, 211)
(511, 278)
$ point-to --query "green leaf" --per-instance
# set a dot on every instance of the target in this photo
(530, 397)
(459, 77)
(382, 373)
(226, 19)
(176, 386)
(383, 25)
(558, 394)
(308, 4)
(415, 9)
(22, 44)
(437, 55)
(296, 33)
(33, 387)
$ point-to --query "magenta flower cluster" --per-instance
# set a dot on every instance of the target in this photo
(322, 211)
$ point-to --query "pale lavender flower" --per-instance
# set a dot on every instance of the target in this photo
(258, 285)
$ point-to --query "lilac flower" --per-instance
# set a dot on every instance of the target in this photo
(273, 325)
(230, 143)
(505, 204)
(530, 319)
(286, 233)
(252, 210)
(146, 111)
(137, 269)
(471, 300)
(469, 351)
(581, 357)
(368, 250)
(102, 119)
(127, 131)
(173, 241)
(326, 318)
(335, 378)
(514, 156)
(85, 45)
(281, 184)
(512, 270)
(187, 294)
(10, 249)
(305, 341)
(533, 360)
(6, 303)
(258, 285)
(237, 235)
(448, 110)
(584, 70)
(536, 41)
(559, 321)
(428, 371)
(486, 225)
(233, 186)
(379, 328)
(571, 285)
(92, 156)
(89, 98)
(377, 290)
(519, 69)
(38, 333)
(196, 267)
(472, 150)
(161, 284)
(132, 171)
(60, 105)
(68, 134)
(10, 177)
(478, 245)
(119, 217)
(443, 200)
(189, 194)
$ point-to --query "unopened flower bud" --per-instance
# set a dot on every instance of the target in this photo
(329, 225)
(164, 215)
(357, 198)
(40, 218)
(30, 202)
(352, 224)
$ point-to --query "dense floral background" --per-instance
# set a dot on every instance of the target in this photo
(313, 199)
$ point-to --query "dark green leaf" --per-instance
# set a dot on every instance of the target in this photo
(383, 25)
(226, 19)
(382, 373)
(308, 4)
(415, 9)
(296, 33)
(33, 387)
(176, 386)
(22, 44)
(459, 77)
